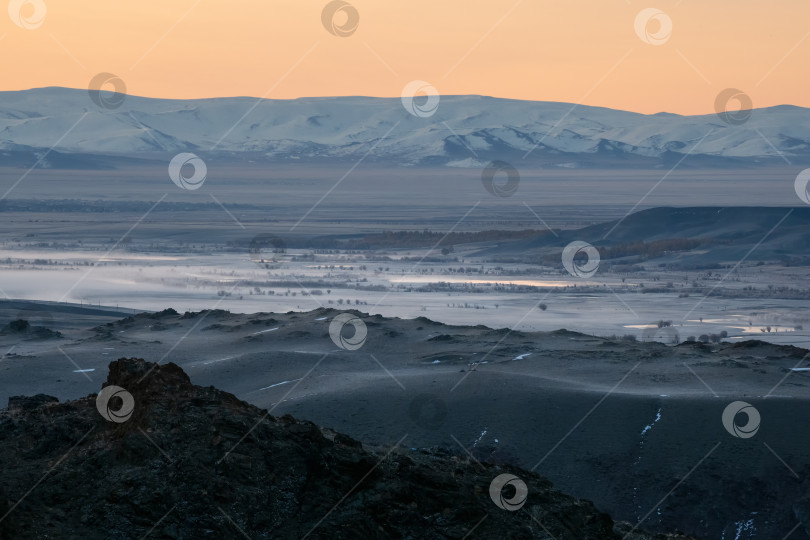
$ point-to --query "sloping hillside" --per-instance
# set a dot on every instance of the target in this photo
(685, 237)
(193, 462)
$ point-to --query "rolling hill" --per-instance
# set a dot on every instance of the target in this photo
(465, 131)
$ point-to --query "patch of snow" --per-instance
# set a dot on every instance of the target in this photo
(264, 331)
(278, 384)
(468, 163)
(744, 526)
(650, 426)
(218, 360)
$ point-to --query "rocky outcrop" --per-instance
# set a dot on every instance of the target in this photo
(155, 455)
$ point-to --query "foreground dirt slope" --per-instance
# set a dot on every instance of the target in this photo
(194, 462)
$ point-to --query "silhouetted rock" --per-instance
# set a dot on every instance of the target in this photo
(17, 403)
(193, 462)
(21, 326)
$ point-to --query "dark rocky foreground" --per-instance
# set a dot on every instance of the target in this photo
(194, 462)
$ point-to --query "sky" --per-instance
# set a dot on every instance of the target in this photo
(674, 56)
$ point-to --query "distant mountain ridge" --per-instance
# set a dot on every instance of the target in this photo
(465, 131)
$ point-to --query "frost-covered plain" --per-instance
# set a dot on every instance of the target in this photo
(604, 305)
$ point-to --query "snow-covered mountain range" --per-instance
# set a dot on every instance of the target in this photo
(464, 131)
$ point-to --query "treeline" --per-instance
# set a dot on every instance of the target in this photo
(106, 206)
(393, 240)
(428, 238)
(650, 250)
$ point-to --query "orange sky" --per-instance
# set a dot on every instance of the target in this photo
(574, 50)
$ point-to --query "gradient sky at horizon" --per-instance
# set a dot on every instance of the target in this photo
(575, 51)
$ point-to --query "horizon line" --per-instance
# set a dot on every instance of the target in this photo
(337, 96)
